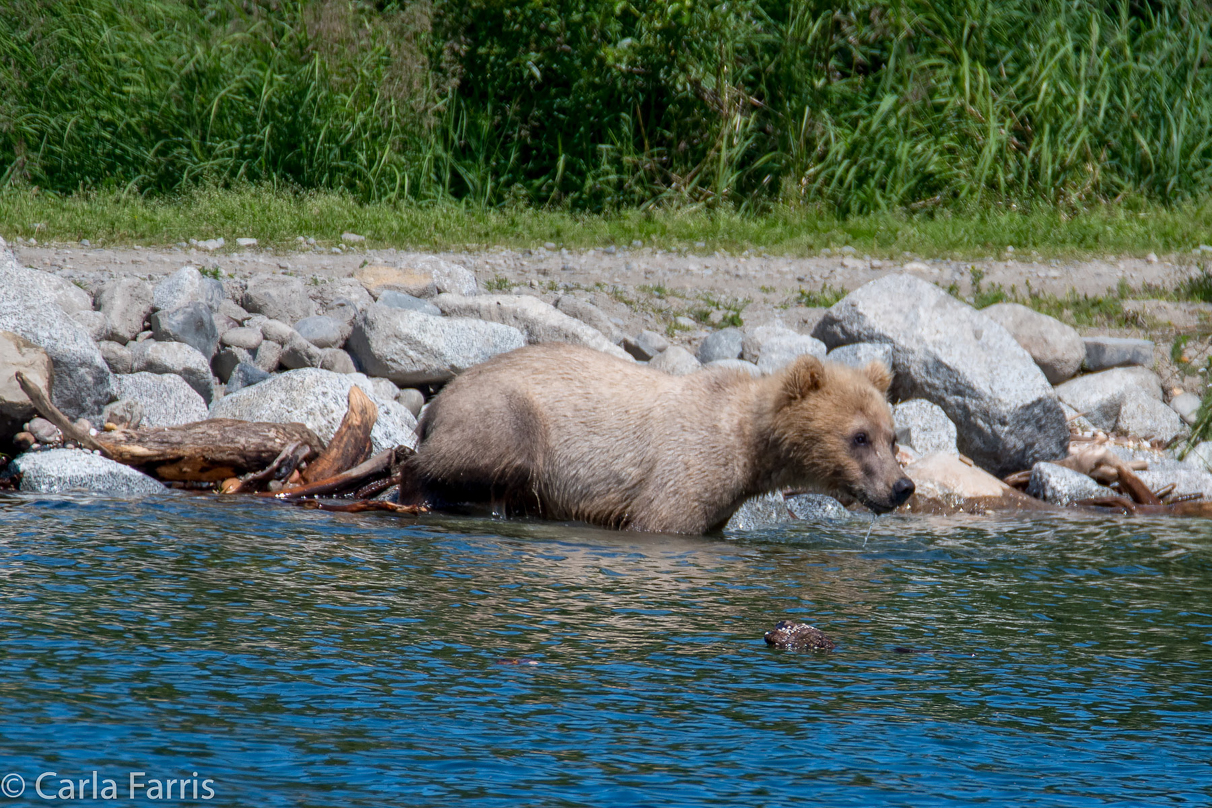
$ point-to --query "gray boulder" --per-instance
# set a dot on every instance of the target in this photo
(94, 323)
(82, 383)
(60, 471)
(781, 349)
(768, 510)
(186, 286)
(299, 353)
(322, 331)
(273, 330)
(538, 321)
(591, 315)
(413, 399)
(676, 361)
(1063, 486)
(245, 375)
(1099, 396)
(1114, 352)
(340, 293)
(125, 413)
(1057, 348)
(1186, 480)
(1187, 407)
(400, 300)
(116, 355)
(127, 302)
(924, 427)
(19, 354)
(952, 355)
(726, 343)
(418, 275)
(229, 308)
(818, 508)
(247, 338)
(411, 348)
(646, 345)
(193, 324)
(318, 399)
(860, 354)
(268, 356)
(337, 360)
(1142, 416)
(166, 399)
(280, 297)
(176, 358)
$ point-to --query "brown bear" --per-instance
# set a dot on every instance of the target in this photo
(569, 433)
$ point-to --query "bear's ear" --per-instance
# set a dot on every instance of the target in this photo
(803, 376)
(879, 375)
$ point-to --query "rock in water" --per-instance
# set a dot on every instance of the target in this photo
(166, 399)
(767, 510)
(952, 355)
(412, 348)
(19, 354)
(1063, 486)
(538, 321)
(59, 471)
(792, 636)
(317, 399)
(1057, 348)
(818, 508)
(82, 383)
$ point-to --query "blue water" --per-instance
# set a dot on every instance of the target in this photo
(294, 658)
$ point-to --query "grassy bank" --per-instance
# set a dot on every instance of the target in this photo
(277, 218)
(594, 105)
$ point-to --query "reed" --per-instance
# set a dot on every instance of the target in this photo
(920, 106)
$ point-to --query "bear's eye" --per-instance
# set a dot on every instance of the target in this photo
(860, 439)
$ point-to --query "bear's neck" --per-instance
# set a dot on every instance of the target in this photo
(769, 467)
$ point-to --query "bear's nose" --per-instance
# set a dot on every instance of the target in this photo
(902, 489)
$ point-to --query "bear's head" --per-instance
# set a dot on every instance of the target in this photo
(833, 427)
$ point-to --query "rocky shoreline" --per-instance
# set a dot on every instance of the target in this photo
(162, 338)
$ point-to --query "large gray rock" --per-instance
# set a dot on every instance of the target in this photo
(1063, 486)
(245, 375)
(280, 297)
(338, 361)
(19, 354)
(227, 360)
(127, 302)
(247, 338)
(59, 471)
(66, 295)
(538, 321)
(268, 356)
(1057, 348)
(591, 315)
(1187, 407)
(193, 324)
(1142, 416)
(783, 346)
(1114, 352)
(411, 348)
(82, 383)
(734, 364)
(1186, 480)
(676, 361)
(952, 355)
(116, 355)
(273, 330)
(322, 331)
(94, 323)
(166, 399)
(400, 300)
(925, 427)
(727, 343)
(186, 286)
(341, 293)
(860, 354)
(645, 345)
(299, 353)
(1099, 396)
(176, 358)
(318, 399)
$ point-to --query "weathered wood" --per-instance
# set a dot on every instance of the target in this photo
(363, 505)
(352, 478)
(283, 467)
(208, 451)
(351, 443)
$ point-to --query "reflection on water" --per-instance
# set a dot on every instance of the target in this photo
(301, 658)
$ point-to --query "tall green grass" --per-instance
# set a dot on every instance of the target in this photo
(857, 107)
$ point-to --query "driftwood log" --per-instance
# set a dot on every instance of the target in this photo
(206, 451)
(351, 443)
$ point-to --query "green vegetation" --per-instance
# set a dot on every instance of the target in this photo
(852, 108)
(276, 218)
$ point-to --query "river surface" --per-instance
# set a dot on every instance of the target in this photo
(282, 657)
